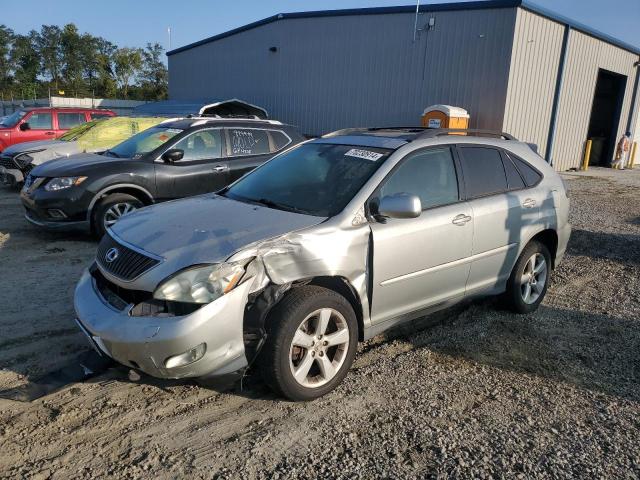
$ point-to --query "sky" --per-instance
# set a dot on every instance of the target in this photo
(133, 23)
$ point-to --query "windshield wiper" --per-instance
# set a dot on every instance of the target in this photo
(111, 154)
(279, 206)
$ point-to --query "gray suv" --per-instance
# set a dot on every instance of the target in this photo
(329, 243)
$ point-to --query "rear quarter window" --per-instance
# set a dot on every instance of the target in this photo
(279, 140)
(530, 175)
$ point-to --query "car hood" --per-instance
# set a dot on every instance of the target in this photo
(35, 145)
(204, 229)
(78, 164)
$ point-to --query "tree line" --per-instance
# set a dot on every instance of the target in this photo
(57, 59)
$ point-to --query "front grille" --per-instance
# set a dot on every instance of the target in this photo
(117, 296)
(121, 261)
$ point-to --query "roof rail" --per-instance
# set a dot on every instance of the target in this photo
(215, 115)
(423, 132)
(349, 131)
(253, 118)
(441, 132)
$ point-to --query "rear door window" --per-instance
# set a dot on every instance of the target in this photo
(69, 120)
(483, 171)
(247, 141)
(40, 121)
(428, 174)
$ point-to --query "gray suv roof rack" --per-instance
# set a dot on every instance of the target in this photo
(440, 132)
(422, 132)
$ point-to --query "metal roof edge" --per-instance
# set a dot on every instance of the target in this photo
(556, 17)
(437, 7)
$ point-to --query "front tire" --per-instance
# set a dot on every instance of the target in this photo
(529, 279)
(110, 209)
(312, 337)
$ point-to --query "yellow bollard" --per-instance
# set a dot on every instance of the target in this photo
(587, 156)
(633, 154)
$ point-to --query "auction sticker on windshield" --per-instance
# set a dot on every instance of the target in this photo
(366, 154)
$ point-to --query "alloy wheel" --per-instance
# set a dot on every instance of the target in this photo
(534, 278)
(319, 348)
(115, 212)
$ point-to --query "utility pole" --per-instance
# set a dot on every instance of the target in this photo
(415, 23)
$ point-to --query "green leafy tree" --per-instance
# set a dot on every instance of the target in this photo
(7, 38)
(154, 76)
(71, 54)
(105, 85)
(127, 64)
(25, 60)
(57, 58)
(49, 47)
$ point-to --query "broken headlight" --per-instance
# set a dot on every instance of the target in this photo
(202, 284)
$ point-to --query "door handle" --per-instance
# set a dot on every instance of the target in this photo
(461, 220)
(49, 133)
(529, 203)
(220, 168)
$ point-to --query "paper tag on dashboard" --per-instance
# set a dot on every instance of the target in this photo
(366, 154)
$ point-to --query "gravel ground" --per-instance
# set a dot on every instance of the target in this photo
(474, 392)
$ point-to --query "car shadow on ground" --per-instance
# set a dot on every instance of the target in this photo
(615, 246)
(592, 351)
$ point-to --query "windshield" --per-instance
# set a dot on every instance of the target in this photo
(143, 142)
(13, 119)
(315, 178)
(78, 131)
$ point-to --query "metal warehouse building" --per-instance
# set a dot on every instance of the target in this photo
(512, 65)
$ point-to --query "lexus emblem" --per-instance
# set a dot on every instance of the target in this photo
(111, 254)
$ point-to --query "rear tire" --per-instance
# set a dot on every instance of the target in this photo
(312, 337)
(529, 280)
(110, 209)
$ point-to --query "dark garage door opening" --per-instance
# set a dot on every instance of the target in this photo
(605, 116)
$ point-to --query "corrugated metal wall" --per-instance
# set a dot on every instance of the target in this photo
(535, 58)
(586, 55)
(335, 72)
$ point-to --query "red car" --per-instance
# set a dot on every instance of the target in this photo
(44, 123)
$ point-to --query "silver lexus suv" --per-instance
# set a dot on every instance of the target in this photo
(328, 244)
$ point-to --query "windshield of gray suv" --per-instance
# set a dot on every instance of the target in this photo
(143, 142)
(13, 119)
(316, 179)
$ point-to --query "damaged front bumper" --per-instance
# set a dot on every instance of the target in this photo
(11, 176)
(147, 343)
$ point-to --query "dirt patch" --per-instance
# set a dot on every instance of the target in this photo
(473, 392)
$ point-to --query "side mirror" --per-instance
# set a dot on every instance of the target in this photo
(25, 126)
(400, 205)
(173, 155)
